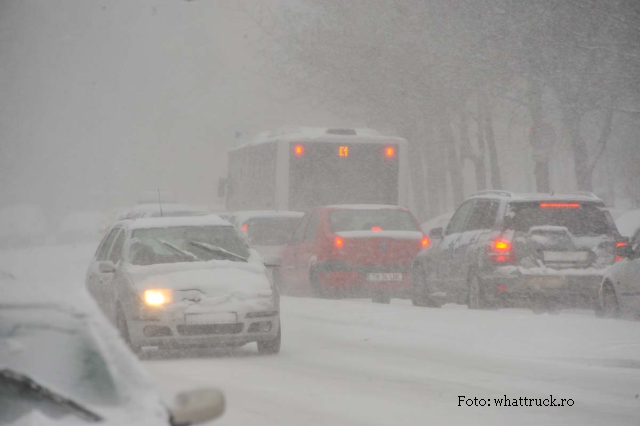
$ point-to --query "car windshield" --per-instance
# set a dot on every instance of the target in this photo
(152, 246)
(51, 358)
(270, 231)
(372, 220)
(579, 219)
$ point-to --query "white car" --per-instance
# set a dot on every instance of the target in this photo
(620, 290)
(185, 282)
(61, 363)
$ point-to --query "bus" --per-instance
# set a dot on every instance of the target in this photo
(296, 168)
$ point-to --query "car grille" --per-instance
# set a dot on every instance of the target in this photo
(201, 329)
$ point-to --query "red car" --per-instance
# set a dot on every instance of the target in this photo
(352, 250)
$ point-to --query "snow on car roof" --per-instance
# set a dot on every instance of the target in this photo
(170, 222)
(301, 133)
(365, 207)
(628, 223)
(243, 216)
(143, 209)
(515, 196)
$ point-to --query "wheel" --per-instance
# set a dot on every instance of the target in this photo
(475, 296)
(381, 298)
(123, 329)
(319, 290)
(419, 290)
(610, 306)
(270, 347)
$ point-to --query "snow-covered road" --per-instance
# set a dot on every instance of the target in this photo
(352, 362)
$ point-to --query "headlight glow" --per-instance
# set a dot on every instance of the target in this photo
(157, 297)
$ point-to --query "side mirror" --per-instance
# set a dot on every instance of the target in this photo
(272, 261)
(435, 234)
(107, 267)
(624, 250)
(197, 406)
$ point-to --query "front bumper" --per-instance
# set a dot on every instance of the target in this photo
(171, 329)
(512, 286)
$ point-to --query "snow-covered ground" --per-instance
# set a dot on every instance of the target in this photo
(352, 362)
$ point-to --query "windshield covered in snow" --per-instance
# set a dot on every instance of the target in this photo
(270, 231)
(371, 220)
(186, 244)
(580, 219)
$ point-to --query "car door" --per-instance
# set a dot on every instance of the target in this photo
(444, 264)
(305, 253)
(92, 281)
(289, 262)
(106, 282)
(629, 283)
(481, 220)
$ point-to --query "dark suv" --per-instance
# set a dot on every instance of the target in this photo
(504, 250)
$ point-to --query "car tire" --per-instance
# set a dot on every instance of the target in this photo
(123, 329)
(270, 347)
(610, 305)
(475, 294)
(419, 290)
(319, 290)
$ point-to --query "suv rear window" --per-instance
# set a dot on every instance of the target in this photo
(367, 220)
(579, 219)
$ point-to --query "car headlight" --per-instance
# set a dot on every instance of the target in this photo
(158, 297)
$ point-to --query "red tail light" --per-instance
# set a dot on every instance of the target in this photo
(560, 205)
(376, 228)
(298, 150)
(619, 244)
(390, 151)
(245, 227)
(338, 242)
(500, 251)
(425, 242)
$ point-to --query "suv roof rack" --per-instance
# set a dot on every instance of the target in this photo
(493, 192)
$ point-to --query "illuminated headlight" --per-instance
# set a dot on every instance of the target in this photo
(158, 297)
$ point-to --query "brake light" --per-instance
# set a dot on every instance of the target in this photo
(376, 228)
(298, 150)
(619, 244)
(390, 152)
(245, 227)
(425, 242)
(338, 242)
(560, 205)
(501, 246)
(500, 251)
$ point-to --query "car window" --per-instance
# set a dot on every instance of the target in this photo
(299, 232)
(371, 220)
(580, 219)
(103, 251)
(483, 215)
(116, 251)
(310, 234)
(459, 219)
(270, 231)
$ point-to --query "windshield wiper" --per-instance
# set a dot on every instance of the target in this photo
(179, 250)
(27, 384)
(218, 250)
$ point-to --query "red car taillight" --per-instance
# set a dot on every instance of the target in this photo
(500, 251)
(619, 244)
(338, 242)
(425, 242)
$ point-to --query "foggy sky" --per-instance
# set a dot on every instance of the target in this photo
(102, 100)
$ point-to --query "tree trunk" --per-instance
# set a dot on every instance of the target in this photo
(572, 120)
(417, 175)
(541, 168)
(494, 164)
(455, 168)
(433, 155)
(467, 151)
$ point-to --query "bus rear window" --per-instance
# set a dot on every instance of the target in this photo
(368, 220)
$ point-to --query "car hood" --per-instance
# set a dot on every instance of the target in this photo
(216, 278)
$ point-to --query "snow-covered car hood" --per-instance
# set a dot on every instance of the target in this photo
(269, 251)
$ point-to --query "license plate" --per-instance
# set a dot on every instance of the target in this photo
(212, 318)
(384, 276)
(565, 256)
